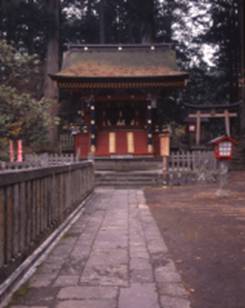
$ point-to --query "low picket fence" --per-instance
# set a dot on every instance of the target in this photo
(188, 161)
(50, 159)
(38, 161)
(195, 166)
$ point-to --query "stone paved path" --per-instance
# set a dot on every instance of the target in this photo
(113, 257)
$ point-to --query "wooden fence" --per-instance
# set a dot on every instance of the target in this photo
(189, 161)
(33, 203)
(39, 161)
(196, 166)
(50, 159)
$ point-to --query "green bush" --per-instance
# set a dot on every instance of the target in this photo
(22, 114)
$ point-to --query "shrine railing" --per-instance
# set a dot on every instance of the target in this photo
(196, 160)
(33, 203)
(46, 159)
(39, 161)
(189, 167)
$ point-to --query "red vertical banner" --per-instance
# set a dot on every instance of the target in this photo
(19, 151)
(11, 151)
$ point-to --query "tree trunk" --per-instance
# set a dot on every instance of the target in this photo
(30, 28)
(102, 21)
(2, 16)
(10, 9)
(232, 53)
(52, 61)
(148, 23)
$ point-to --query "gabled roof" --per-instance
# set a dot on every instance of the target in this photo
(223, 138)
(124, 61)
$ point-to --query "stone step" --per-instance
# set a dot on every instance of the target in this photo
(128, 172)
(127, 179)
(123, 165)
(128, 176)
(133, 179)
(143, 179)
(129, 184)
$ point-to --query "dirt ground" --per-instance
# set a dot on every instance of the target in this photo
(206, 238)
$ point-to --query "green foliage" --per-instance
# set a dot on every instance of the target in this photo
(225, 33)
(21, 115)
(208, 27)
(19, 70)
(23, 25)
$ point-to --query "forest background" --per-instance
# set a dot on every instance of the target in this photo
(34, 34)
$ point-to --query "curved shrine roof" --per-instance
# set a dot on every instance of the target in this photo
(120, 67)
(114, 61)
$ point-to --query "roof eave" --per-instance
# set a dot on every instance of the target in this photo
(56, 77)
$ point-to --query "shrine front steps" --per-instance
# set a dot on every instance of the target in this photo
(128, 171)
(129, 179)
(125, 163)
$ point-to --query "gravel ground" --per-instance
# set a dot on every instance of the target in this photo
(206, 238)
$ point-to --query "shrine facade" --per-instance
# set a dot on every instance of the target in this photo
(110, 96)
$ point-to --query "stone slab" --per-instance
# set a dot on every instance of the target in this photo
(109, 275)
(42, 280)
(113, 257)
(172, 289)
(63, 281)
(174, 302)
(140, 296)
(162, 274)
(88, 293)
(28, 306)
(87, 304)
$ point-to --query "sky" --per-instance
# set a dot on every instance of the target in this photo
(197, 21)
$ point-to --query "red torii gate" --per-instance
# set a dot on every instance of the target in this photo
(200, 115)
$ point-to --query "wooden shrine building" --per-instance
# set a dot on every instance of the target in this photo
(110, 94)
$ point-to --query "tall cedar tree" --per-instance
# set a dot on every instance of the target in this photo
(225, 33)
(102, 21)
(52, 60)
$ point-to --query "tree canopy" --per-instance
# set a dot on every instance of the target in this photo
(205, 34)
(22, 115)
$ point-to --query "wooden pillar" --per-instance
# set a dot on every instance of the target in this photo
(112, 143)
(11, 151)
(198, 127)
(227, 123)
(165, 151)
(149, 125)
(19, 151)
(92, 127)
